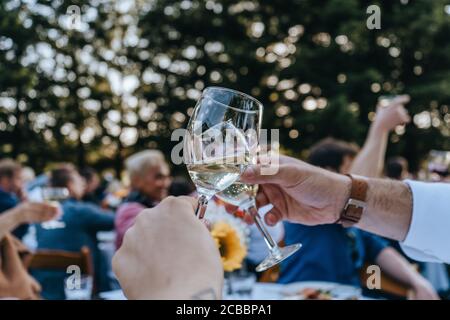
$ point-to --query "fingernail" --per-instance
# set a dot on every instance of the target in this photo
(249, 173)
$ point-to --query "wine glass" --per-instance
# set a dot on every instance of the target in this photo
(243, 195)
(220, 140)
(438, 165)
(52, 196)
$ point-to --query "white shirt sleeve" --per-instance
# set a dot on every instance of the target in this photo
(428, 238)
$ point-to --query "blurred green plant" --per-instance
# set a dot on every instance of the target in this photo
(132, 71)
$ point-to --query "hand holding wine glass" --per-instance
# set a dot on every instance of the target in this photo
(51, 197)
(32, 212)
(299, 192)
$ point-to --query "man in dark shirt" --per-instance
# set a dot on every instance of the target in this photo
(95, 191)
(82, 222)
(11, 190)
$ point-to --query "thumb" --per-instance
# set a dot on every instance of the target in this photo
(256, 174)
(260, 174)
(280, 170)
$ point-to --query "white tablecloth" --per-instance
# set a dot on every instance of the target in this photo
(274, 291)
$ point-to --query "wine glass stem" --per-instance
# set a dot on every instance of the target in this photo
(202, 205)
(274, 249)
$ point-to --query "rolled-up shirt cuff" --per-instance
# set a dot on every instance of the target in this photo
(428, 238)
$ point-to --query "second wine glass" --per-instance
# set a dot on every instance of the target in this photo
(53, 196)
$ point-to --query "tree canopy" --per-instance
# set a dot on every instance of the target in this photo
(131, 71)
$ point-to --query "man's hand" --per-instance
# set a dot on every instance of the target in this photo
(422, 290)
(300, 192)
(15, 282)
(169, 254)
(33, 212)
(392, 114)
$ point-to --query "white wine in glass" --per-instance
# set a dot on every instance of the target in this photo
(243, 195)
(214, 177)
(238, 193)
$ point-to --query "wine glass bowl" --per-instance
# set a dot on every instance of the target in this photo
(53, 196)
(220, 140)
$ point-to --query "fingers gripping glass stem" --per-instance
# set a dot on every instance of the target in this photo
(277, 254)
(262, 228)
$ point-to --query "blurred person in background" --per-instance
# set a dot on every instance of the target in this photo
(115, 192)
(82, 222)
(397, 168)
(150, 179)
(37, 183)
(28, 176)
(15, 282)
(333, 253)
(93, 192)
(11, 190)
(43, 179)
(181, 186)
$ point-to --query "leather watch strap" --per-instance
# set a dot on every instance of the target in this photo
(356, 203)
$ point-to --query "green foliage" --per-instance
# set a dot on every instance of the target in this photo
(314, 64)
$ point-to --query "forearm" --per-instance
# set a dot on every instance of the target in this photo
(9, 220)
(397, 267)
(389, 209)
(370, 160)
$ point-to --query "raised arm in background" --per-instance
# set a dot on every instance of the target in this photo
(370, 160)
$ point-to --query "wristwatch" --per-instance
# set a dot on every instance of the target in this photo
(356, 204)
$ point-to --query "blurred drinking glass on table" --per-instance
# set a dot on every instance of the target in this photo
(438, 165)
(78, 287)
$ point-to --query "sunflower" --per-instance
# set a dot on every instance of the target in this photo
(231, 248)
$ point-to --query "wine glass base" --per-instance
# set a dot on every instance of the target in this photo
(274, 259)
